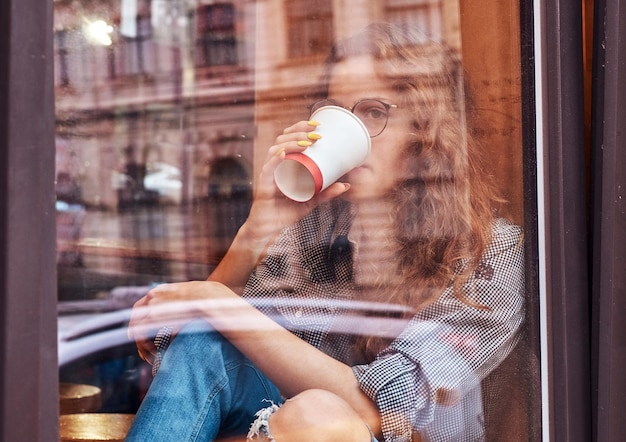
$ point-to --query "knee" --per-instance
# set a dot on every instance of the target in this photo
(320, 416)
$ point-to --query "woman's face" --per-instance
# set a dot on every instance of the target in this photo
(355, 79)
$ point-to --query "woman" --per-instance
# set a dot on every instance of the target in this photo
(413, 230)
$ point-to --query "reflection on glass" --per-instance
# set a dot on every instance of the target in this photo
(165, 112)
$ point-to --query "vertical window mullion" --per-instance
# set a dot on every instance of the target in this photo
(28, 359)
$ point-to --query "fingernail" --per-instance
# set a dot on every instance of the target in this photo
(313, 136)
(303, 143)
(280, 151)
(313, 123)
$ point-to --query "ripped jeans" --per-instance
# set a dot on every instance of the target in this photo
(204, 389)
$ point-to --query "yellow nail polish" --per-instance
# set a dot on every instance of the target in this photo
(313, 136)
(303, 143)
(313, 123)
(280, 151)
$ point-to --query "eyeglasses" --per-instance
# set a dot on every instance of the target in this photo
(373, 113)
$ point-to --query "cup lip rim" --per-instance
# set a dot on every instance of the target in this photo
(346, 111)
(304, 161)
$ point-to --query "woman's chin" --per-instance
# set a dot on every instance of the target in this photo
(363, 186)
(360, 192)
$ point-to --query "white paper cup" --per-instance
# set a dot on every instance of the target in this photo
(345, 144)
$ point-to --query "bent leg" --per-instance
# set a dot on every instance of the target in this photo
(204, 388)
(317, 416)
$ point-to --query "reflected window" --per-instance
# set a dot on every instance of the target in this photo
(73, 58)
(425, 14)
(216, 43)
(62, 73)
(229, 197)
(132, 51)
(310, 27)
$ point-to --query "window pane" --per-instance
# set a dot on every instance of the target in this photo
(165, 113)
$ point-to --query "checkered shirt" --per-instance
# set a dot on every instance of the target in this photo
(428, 379)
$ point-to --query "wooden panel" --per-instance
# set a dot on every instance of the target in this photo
(490, 33)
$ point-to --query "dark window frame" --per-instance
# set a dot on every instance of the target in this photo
(28, 356)
(566, 355)
(608, 222)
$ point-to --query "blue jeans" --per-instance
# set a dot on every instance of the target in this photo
(205, 388)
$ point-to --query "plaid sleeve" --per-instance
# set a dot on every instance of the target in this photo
(438, 361)
(411, 378)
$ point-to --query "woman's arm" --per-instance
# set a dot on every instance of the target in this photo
(290, 363)
(242, 257)
(449, 347)
(270, 212)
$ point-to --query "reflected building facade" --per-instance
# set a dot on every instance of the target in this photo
(165, 108)
(143, 82)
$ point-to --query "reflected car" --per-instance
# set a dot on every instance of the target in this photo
(94, 347)
(164, 179)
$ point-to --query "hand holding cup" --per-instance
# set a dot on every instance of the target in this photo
(344, 145)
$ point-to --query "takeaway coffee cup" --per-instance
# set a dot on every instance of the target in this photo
(345, 144)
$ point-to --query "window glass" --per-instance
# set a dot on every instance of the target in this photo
(216, 42)
(165, 111)
(310, 28)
